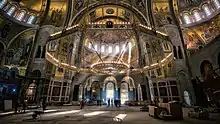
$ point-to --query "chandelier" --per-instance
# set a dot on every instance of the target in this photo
(109, 67)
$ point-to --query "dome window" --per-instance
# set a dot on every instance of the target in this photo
(11, 10)
(103, 49)
(217, 4)
(197, 15)
(117, 49)
(90, 45)
(3, 3)
(96, 47)
(110, 49)
(207, 10)
(21, 15)
(186, 19)
(31, 19)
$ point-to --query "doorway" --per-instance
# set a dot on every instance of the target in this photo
(109, 91)
(124, 93)
(95, 91)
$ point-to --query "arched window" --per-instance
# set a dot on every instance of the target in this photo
(3, 3)
(117, 49)
(217, 4)
(21, 15)
(11, 10)
(96, 47)
(197, 15)
(103, 48)
(175, 51)
(186, 19)
(90, 45)
(31, 19)
(109, 49)
(207, 10)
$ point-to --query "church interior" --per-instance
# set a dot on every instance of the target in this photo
(136, 52)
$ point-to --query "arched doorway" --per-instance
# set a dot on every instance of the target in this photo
(124, 92)
(110, 91)
(96, 91)
(185, 88)
(206, 68)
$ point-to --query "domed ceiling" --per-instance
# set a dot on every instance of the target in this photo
(110, 36)
(183, 4)
(31, 4)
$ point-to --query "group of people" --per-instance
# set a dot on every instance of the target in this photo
(112, 102)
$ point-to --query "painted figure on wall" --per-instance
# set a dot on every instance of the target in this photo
(79, 4)
(19, 51)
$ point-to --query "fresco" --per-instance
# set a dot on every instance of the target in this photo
(203, 34)
(19, 51)
(31, 4)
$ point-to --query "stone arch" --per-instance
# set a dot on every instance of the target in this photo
(48, 28)
(124, 5)
(95, 90)
(184, 76)
(110, 79)
(19, 34)
(36, 73)
(14, 71)
(130, 81)
(90, 80)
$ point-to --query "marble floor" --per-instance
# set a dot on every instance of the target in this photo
(94, 115)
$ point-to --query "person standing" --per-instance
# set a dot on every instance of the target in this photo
(100, 103)
(115, 102)
(82, 104)
(112, 102)
(108, 102)
(16, 105)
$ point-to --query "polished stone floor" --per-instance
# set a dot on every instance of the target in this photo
(93, 115)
